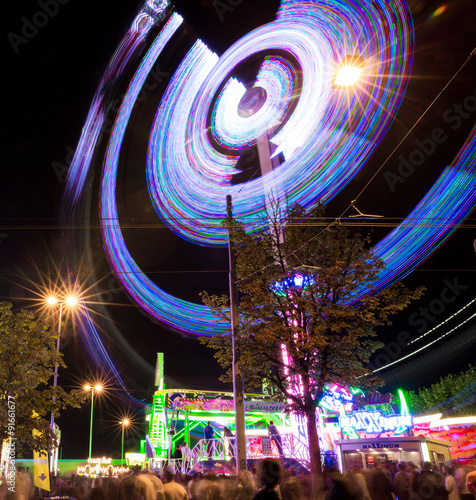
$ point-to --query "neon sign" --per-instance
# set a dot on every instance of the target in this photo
(374, 422)
(100, 466)
(102, 460)
(336, 397)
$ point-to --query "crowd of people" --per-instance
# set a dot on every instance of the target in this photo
(403, 481)
(269, 481)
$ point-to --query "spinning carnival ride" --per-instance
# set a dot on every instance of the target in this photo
(275, 86)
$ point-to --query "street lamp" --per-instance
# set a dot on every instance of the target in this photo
(70, 301)
(94, 389)
(124, 423)
(349, 71)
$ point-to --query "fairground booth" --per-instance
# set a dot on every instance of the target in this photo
(379, 428)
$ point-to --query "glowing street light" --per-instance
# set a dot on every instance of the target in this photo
(96, 388)
(349, 71)
(124, 423)
(70, 301)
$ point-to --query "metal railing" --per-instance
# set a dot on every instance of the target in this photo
(257, 447)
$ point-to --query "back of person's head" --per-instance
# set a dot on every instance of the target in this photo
(247, 478)
(169, 475)
(211, 476)
(97, 482)
(401, 466)
(427, 466)
(270, 471)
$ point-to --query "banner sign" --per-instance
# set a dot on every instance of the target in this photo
(374, 422)
(192, 402)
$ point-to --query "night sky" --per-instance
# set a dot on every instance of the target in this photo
(51, 70)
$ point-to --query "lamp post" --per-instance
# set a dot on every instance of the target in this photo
(94, 389)
(71, 301)
(124, 423)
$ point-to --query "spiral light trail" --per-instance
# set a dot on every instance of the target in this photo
(325, 139)
(325, 134)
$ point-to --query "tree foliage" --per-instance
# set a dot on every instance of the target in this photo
(328, 325)
(454, 394)
(326, 321)
(28, 356)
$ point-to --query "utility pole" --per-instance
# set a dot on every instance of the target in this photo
(238, 384)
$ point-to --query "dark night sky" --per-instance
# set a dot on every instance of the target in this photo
(50, 79)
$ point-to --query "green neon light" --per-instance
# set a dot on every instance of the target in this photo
(403, 410)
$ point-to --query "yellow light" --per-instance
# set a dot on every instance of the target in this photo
(51, 300)
(98, 387)
(347, 76)
(125, 422)
(71, 301)
(349, 71)
(87, 387)
(425, 452)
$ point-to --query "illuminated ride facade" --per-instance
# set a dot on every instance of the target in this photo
(180, 416)
(354, 429)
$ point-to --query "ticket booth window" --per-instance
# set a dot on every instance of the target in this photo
(438, 460)
(352, 459)
(411, 456)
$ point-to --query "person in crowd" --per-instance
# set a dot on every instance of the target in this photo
(68, 488)
(412, 479)
(212, 490)
(192, 486)
(228, 484)
(111, 491)
(450, 483)
(401, 482)
(275, 437)
(382, 487)
(460, 477)
(256, 480)
(97, 491)
(359, 483)
(209, 434)
(230, 443)
(245, 489)
(136, 486)
(185, 450)
(23, 484)
(471, 479)
(173, 490)
(291, 487)
(82, 488)
(392, 468)
(156, 483)
(337, 486)
(177, 454)
(270, 473)
(430, 484)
